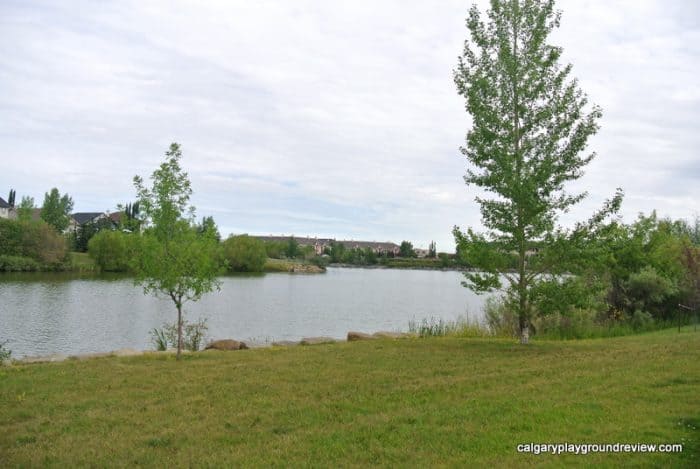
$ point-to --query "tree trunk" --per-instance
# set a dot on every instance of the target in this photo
(179, 330)
(524, 332)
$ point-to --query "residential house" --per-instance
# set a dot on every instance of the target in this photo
(82, 218)
(320, 244)
(7, 210)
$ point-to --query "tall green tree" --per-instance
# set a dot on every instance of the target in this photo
(406, 249)
(11, 198)
(173, 259)
(292, 250)
(208, 228)
(56, 210)
(530, 127)
(25, 209)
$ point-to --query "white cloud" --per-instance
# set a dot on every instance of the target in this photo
(330, 118)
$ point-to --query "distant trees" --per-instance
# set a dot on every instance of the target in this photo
(11, 198)
(292, 250)
(244, 254)
(56, 210)
(406, 249)
(130, 219)
(25, 209)
(173, 259)
(208, 228)
(84, 233)
(432, 250)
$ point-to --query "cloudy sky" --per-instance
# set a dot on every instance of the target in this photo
(327, 118)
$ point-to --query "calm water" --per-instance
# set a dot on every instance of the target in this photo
(53, 313)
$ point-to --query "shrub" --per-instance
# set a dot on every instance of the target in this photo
(501, 318)
(642, 321)
(113, 251)
(193, 335)
(159, 339)
(18, 264)
(244, 254)
(42, 243)
(648, 290)
(5, 353)
(461, 327)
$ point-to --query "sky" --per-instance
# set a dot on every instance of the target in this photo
(325, 118)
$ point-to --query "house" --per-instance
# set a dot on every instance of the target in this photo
(82, 218)
(320, 244)
(7, 210)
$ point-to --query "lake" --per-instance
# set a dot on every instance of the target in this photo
(44, 313)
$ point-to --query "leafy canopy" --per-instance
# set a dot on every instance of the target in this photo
(173, 258)
(56, 209)
(529, 132)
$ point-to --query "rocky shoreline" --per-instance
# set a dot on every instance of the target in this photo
(218, 345)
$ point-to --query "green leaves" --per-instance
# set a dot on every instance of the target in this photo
(56, 209)
(173, 258)
(531, 125)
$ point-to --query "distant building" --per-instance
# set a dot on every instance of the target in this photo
(7, 210)
(421, 253)
(320, 244)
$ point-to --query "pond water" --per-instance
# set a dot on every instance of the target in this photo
(57, 313)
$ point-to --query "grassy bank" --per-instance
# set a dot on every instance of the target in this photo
(413, 402)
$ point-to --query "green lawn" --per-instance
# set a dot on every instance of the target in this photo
(82, 262)
(405, 403)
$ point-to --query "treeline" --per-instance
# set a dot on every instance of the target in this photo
(27, 245)
(639, 276)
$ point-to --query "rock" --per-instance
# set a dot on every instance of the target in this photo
(317, 340)
(226, 344)
(353, 336)
(392, 335)
(127, 352)
(285, 343)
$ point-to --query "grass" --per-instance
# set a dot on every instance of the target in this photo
(82, 262)
(437, 327)
(413, 402)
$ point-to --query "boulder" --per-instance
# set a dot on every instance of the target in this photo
(226, 344)
(353, 336)
(317, 340)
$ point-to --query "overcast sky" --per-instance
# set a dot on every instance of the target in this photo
(326, 118)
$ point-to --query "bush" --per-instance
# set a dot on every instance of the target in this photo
(462, 327)
(113, 251)
(33, 239)
(5, 353)
(642, 321)
(18, 264)
(647, 290)
(42, 243)
(193, 335)
(500, 317)
(11, 237)
(244, 254)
